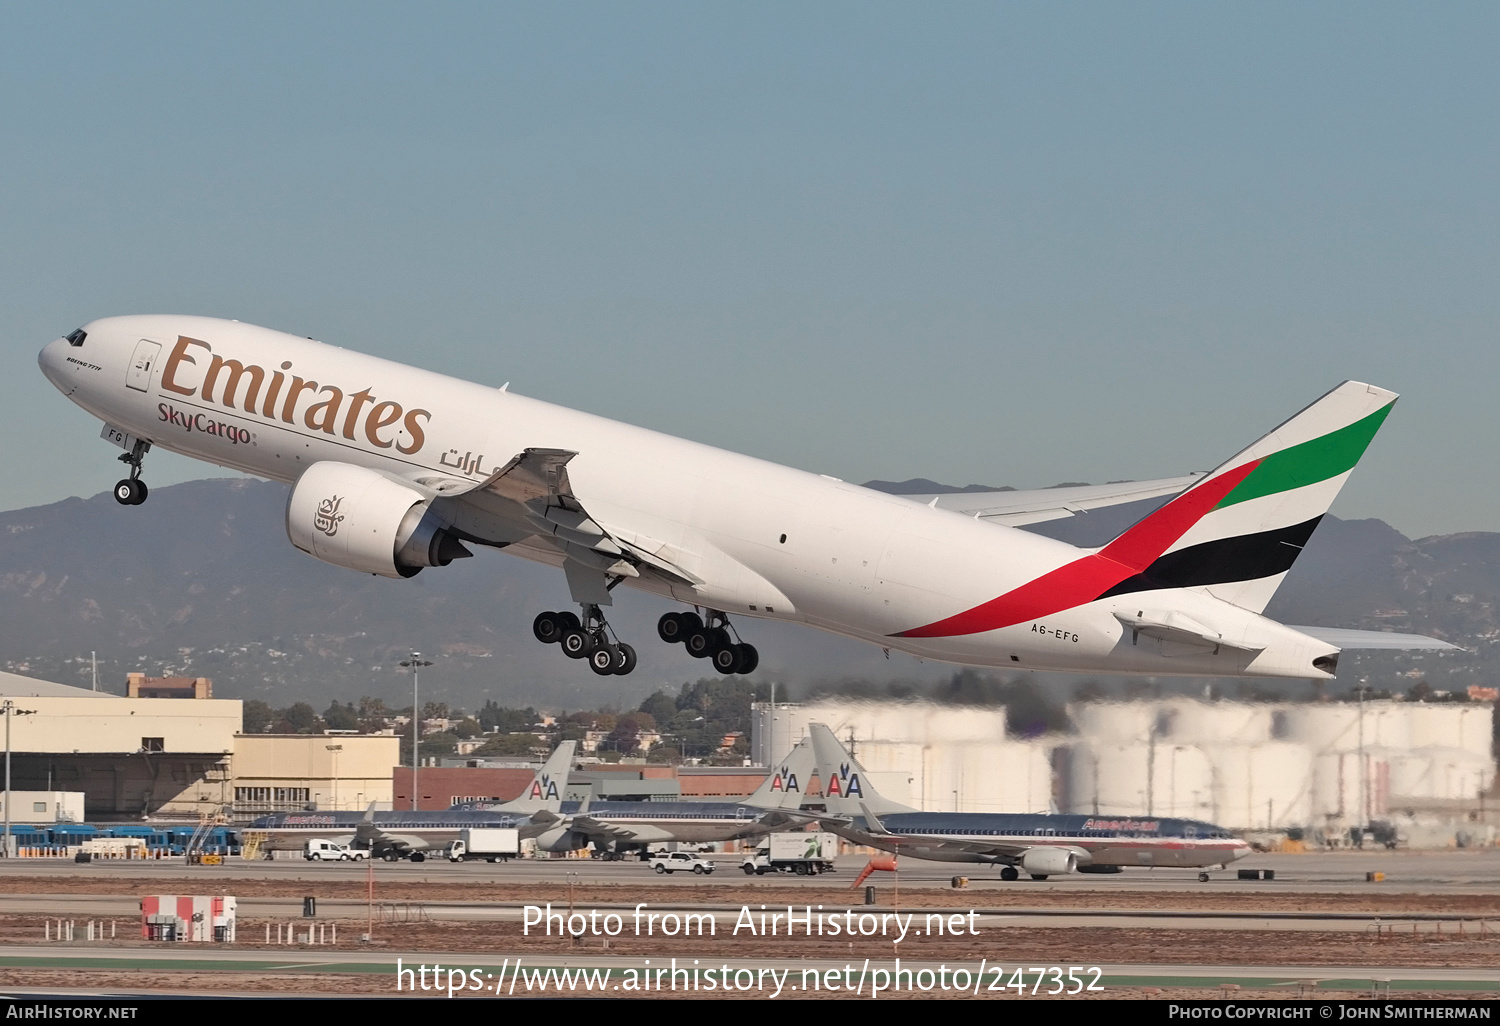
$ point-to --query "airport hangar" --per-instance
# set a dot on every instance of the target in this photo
(169, 749)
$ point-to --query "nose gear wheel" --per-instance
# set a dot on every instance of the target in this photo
(132, 491)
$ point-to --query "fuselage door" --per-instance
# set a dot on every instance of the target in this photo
(142, 363)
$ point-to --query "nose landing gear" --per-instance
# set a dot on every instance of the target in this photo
(716, 640)
(589, 638)
(132, 491)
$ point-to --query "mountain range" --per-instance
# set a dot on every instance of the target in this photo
(201, 581)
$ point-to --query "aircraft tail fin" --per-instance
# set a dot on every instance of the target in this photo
(785, 786)
(847, 787)
(1236, 532)
(545, 792)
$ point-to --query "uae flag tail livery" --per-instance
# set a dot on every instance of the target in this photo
(1230, 537)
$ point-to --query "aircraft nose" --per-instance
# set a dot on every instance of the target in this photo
(52, 360)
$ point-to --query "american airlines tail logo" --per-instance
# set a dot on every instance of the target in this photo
(784, 780)
(844, 784)
(543, 788)
(328, 517)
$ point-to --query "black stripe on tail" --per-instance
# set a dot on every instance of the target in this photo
(1246, 557)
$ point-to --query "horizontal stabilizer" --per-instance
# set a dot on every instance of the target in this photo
(1347, 639)
(1016, 508)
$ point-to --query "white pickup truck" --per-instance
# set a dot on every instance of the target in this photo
(673, 861)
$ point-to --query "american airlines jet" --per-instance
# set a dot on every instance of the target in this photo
(394, 469)
(1038, 844)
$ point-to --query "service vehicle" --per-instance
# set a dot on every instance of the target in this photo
(318, 849)
(806, 854)
(492, 844)
(680, 861)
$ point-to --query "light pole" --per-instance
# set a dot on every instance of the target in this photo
(416, 662)
(10, 710)
(335, 749)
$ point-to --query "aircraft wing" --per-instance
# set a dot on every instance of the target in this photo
(1015, 508)
(592, 828)
(533, 494)
(1347, 639)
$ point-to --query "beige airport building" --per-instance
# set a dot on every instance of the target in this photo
(180, 752)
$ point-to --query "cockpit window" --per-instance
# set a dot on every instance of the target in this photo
(77, 336)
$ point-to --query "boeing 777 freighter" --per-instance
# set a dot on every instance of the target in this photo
(394, 469)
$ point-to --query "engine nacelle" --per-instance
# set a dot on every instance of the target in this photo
(561, 838)
(362, 520)
(1043, 861)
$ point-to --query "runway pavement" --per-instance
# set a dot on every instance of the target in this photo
(1475, 871)
(493, 973)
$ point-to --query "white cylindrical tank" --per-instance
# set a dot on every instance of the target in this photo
(1439, 773)
(1182, 778)
(1262, 787)
(1209, 723)
(1113, 722)
(1108, 779)
(1324, 727)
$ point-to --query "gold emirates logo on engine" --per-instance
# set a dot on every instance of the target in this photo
(276, 398)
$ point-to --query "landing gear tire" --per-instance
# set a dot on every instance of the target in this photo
(1203, 878)
(749, 659)
(1039, 876)
(626, 662)
(727, 659)
(548, 628)
(670, 628)
(576, 644)
(1010, 873)
(131, 492)
(700, 643)
(603, 658)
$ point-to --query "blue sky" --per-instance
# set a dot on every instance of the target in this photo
(1009, 244)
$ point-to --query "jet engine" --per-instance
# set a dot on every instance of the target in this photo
(561, 838)
(1043, 862)
(362, 520)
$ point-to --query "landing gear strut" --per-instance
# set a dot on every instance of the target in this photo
(716, 640)
(589, 638)
(133, 491)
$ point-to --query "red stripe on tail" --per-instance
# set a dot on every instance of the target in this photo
(1084, 580)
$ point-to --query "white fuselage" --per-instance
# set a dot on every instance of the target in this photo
(766, 541)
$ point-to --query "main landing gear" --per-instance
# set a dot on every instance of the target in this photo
(133, 491)
(712, 640)
(588, 638)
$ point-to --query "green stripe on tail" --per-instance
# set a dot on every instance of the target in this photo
(1315, 460)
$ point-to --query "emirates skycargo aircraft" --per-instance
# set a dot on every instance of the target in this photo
(394, 469)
